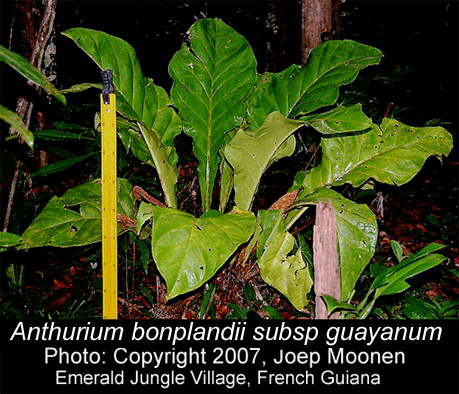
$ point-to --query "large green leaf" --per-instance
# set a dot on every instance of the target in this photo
(187, 250)
(357, 235)
(392, 153)
(30, 72)
(251, 153)
(75, 218)
(300, 90)
(136, 95)
(212, 78)
(138, 99)
(279, 267)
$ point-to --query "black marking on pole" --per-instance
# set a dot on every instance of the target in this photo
(107, 85)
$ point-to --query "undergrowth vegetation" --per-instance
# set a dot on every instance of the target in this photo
(235, 238)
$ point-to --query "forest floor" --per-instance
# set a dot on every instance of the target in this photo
(423, 211)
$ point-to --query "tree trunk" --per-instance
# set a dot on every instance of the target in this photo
(326, 262)
(317, 20)
(36, 43)
(275, 37)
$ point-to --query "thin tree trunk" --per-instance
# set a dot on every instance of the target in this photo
(326, 262)
(317, 20)
(36, 47)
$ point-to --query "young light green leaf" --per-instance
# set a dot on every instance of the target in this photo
(279, 268)
(30, 72)
(81, 87)
(188, 251)
(75, 218)
(251, 153)
(212, 78)
(397, 249)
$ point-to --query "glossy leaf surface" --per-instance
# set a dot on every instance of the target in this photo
(187, 250)
(138, 99)
(75, 218)
(299, 90)
(393, 154)
(212, 78)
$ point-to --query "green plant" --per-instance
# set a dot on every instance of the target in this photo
(33, 75)
(241, 123)
(392, 280)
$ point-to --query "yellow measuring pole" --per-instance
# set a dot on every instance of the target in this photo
(109, 192)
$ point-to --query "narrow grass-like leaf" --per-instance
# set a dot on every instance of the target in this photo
(61, 165)
(34, 75)
(16, 122)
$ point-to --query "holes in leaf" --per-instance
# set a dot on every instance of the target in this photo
(201, 268)
(73, 228)
(74, 208)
